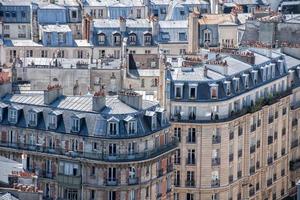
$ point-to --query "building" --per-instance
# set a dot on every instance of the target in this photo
(234, 114)
(89, 147)
(15, 19)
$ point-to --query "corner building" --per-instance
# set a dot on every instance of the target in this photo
(89, 147)
(235, 115)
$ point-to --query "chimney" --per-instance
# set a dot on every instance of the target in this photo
(5, 84)
(52, 93)
(122, 24)
(131, 98)
(193, 33)
(99, 100)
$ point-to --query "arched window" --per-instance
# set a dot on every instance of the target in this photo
(132, 38)
(101, 38)
(116, 39)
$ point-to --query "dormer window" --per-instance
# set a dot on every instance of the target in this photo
(246, 80)
(291, 76)
(116, 38)
(214, 91)
(273, 70)
(178, 90)
(1, 114)
(298, 71)
(3, 107)
(132, 38)
(113, 126)
(101, 38)
(161, 115)
(227, 88)
(254, 76)
(32, 118)
(236, 84)
(193, 91)
(52, 121)
(131, 125)
(263, 72)
(75, 124)
(147, 38)
(280, 65)
(154, 122)
(13, 115)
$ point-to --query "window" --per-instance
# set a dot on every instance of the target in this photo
(182, 36)
(214, 91)
(117, 39)
(163, 11)
(100, 13)
(192, 112)
(52, 121)
(113, 128)
(132, 195)
(143, 83)
(191, 135)
(193, 92)
(23, 14)
(93, 171)
(74, 14)
(165, 36)
(154, 122)
(132, 38)
(189, 196)
(101, 38)
(112, 174)
(178, 91)
(207, 36)
(131, 127)
(71, 169)
(177, 133)
(1, 114)
(182, 13)
(7, 14)
(12, 114)
(32, 118)
(44, 53)
(191, 157)
(138, 13)
(75, 124)
(147, 39)
(29, 53)
(112, 195)
(112, 149)
(92, 195)
(13, 14)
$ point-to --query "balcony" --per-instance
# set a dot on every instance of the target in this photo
(294, 164)
(294, 143)
(160, 173)
(252, 170)
(177, 182)
(269, 182)
(231, 157)
(231, 135)
(215, 161)
(270, 140)
(190, 183)
(216, 139)
(240, 153)
(190, 161)
(69, 180)
(215, 183)
(230, 178)
(251, 191)
(177, 161)
(270, 160)
(252, 149)
(111, 182)
(46, 174)
(133, 180)
(139, 156)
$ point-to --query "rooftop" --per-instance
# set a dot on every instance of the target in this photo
(56, 28)
(115, 23)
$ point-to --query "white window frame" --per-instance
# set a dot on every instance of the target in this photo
(13, 115)
(75, 124)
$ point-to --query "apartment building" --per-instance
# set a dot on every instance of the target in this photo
(89, 147)
(237, 130)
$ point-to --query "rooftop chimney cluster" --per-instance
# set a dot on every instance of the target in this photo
(4, 77)
(25, 188)
(131, 98)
